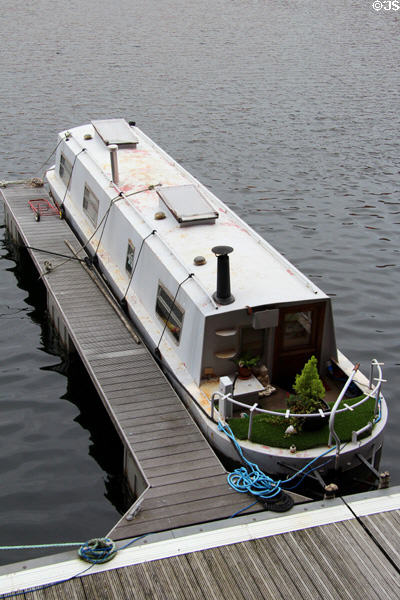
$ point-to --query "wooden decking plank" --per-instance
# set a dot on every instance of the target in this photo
(186, 578)
(149, 417)
(104, 361)
(148, 379)
(224, 573)
(141, 364)
(321, 546)
(137, 406)
(136, 527)
(209, 575)
(132, 411)
(89, 347)
(86, 322)
(385, 528)
(200, 493)
(103, 585)
(106, 364)
(319, 578)
(170, 419)
(136, 585)
(71, 303)
(370, 561)
(71, 589)
(149, 580)
(250, 568)
(204, 578)
(160, 576)
(203, 505)
(138, 400)
(129, 374)
(147, 388)
(154, 438)
(186, 486)
(281, 573)
(337, 561)
(183, 466)
(162, 428)
(172, 478)
(81, 284)
(135, 376)
(105, 337)
(168, 460)
(295, 568)
(170, 446)
(84, 316)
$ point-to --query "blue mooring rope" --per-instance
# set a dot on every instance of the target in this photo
(98, 550)
(251, 479)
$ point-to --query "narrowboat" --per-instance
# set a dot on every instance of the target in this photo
(208, 296)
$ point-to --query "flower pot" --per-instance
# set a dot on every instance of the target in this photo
(244, 373)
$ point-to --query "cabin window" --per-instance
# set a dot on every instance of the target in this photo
(169, 312)
(297, 329)
(65, 169)
(90, 205)
(130, 254)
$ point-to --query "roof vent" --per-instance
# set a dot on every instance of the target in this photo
(113, 148)
(187, 204)
(116, 131)
(223, 294)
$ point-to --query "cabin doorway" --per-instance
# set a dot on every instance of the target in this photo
(297, 338)
(252, 342)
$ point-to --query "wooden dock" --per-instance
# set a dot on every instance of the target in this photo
(341, 549)
(177, 476)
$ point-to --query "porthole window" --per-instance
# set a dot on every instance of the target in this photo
(90, 205)
(130, 255)
(170, 312)
(65, 169)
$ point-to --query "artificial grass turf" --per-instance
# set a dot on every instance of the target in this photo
(268, 432)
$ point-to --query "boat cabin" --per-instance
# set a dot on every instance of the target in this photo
(201, 285)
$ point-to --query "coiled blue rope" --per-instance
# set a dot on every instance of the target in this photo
(98, 550)
(254, 481)
(250, 479)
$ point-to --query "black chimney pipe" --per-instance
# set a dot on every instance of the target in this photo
(223, 294)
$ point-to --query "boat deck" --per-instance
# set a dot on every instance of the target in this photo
(186, 483)
(342, 549)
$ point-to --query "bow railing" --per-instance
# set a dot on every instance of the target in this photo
(375, 385)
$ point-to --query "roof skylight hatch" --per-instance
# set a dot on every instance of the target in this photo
(116, 131)
(187, 205)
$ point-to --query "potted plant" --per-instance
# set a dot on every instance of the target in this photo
(309, 395)
(245, 363)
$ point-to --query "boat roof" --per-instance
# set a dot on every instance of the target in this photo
(196, 220)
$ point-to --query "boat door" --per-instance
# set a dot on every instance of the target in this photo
(297, 338)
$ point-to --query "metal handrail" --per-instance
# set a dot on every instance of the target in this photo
(332, 432)
(375, 392)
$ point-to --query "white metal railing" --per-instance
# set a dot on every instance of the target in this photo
(375, 391)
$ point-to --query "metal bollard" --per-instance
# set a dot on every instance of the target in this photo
(384, 480)
(330, 491)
